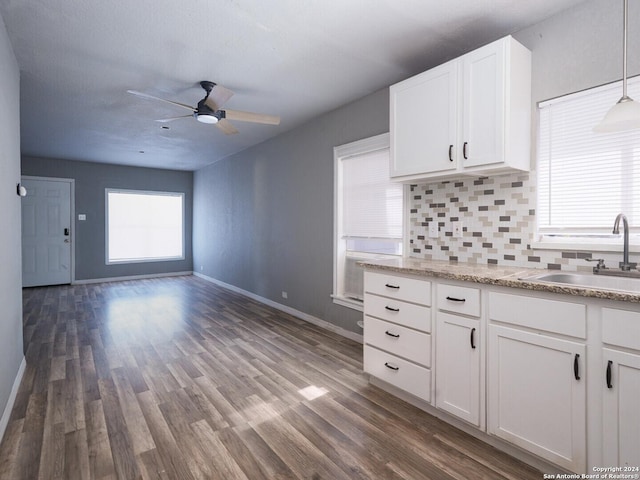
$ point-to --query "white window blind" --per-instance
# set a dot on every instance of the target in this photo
(372, 205)
(144, 226)
(585, 179)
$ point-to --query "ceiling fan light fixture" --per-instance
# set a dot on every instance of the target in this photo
(207, 118)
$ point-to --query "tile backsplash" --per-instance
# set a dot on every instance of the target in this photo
(498, 220)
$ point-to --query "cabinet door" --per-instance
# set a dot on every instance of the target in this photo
(483, 117)
(458, 366)
(423, 122)
(536, 394)
(621, 421)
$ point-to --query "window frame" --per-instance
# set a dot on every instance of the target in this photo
(594, 239)
(182, 197)
(359, 147)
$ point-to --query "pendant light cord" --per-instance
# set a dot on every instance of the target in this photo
(624, 50)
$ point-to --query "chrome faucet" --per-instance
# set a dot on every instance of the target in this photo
(624, 264)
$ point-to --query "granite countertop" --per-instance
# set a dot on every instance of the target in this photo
(493, 275)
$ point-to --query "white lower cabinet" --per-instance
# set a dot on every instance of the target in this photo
(457, 365)
(397, 332)
(537, 394)
(621, 420)
(398, 372)
(621, 388)
(514, 364)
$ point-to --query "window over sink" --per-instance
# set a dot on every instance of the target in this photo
(368, 214)
(586, 179)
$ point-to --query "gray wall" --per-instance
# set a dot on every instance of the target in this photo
(10, 250)
(581, 48)
(91, 179)
(263, 218)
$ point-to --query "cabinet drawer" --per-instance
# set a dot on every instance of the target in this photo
(549, 315)
(452, 298)
(400, 288)
(400, 373)
(621, 328)
(401, 341)
(402, 313)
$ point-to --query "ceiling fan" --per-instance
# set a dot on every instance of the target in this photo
(209, 109)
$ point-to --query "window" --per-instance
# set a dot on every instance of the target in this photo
(144, 226)
(368, 213)
(585, 179)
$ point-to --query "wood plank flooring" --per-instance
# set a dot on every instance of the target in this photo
(176, 378)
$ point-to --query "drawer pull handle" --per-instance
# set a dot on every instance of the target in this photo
(391, 309)
(609, 365)
(392, 367)
(472, 339)
(451, 153)
(454, 299)
(394, 335)
(388, 285)
(576, 367)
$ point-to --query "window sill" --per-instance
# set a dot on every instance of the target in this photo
(348, 302)
(583, 244)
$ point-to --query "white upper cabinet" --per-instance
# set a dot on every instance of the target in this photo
(470, 116)
(423, 122)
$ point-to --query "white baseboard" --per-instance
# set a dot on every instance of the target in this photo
(130, 277)
(356, 337)
(4, 421)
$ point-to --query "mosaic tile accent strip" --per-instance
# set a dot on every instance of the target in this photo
(498, 221)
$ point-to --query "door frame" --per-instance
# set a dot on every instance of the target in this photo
(72, 210)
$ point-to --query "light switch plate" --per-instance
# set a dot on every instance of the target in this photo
(433, 229)
(82, 217)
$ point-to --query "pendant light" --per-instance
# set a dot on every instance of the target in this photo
(624, 115)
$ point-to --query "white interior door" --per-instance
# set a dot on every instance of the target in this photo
(46, 232)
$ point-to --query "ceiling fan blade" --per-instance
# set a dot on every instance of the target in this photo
(218, 97)
(226, 126)
(146, 95)
(171, 119)
(252, 117)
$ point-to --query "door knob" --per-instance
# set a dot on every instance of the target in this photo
(66, 232)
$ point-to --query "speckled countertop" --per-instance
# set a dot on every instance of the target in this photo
(493, 275)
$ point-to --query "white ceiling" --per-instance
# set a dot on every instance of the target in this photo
(293, 58)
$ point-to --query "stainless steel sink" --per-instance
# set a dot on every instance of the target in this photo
(588, 280)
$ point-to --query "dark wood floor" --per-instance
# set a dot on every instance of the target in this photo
(176, 378)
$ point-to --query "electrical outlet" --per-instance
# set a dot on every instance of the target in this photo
(433, 229)
(456, 229)
(201, 267)
(285, 294)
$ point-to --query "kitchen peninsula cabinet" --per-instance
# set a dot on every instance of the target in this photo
(469, 116)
